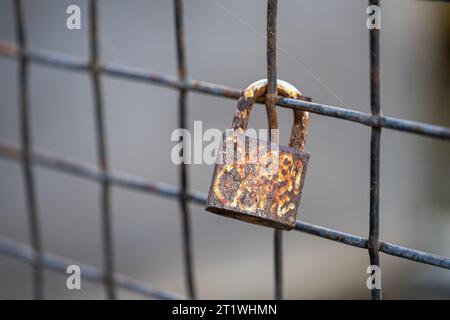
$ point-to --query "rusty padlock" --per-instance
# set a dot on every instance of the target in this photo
(266, 191)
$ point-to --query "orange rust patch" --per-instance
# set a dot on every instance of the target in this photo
(246, 186)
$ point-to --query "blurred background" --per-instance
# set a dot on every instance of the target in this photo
(323, 50)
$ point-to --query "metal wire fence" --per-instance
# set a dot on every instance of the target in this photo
(108, 178)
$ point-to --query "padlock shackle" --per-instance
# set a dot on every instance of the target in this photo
(257, 90)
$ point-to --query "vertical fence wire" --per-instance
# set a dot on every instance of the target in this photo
(105, 190)
(183, 198)
(374, 216)
(273, 123)
(26, 145)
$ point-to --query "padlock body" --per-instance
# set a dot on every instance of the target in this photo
(264, 189)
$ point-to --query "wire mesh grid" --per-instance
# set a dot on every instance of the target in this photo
(107, 178)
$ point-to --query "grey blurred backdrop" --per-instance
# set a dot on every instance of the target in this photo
(323, 50)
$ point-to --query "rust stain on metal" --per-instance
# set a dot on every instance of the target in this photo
(262, 183)
(266, 191)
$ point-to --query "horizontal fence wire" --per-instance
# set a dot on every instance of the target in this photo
(101, 173)
(59, 264)
(82, 169)
(65, 61)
